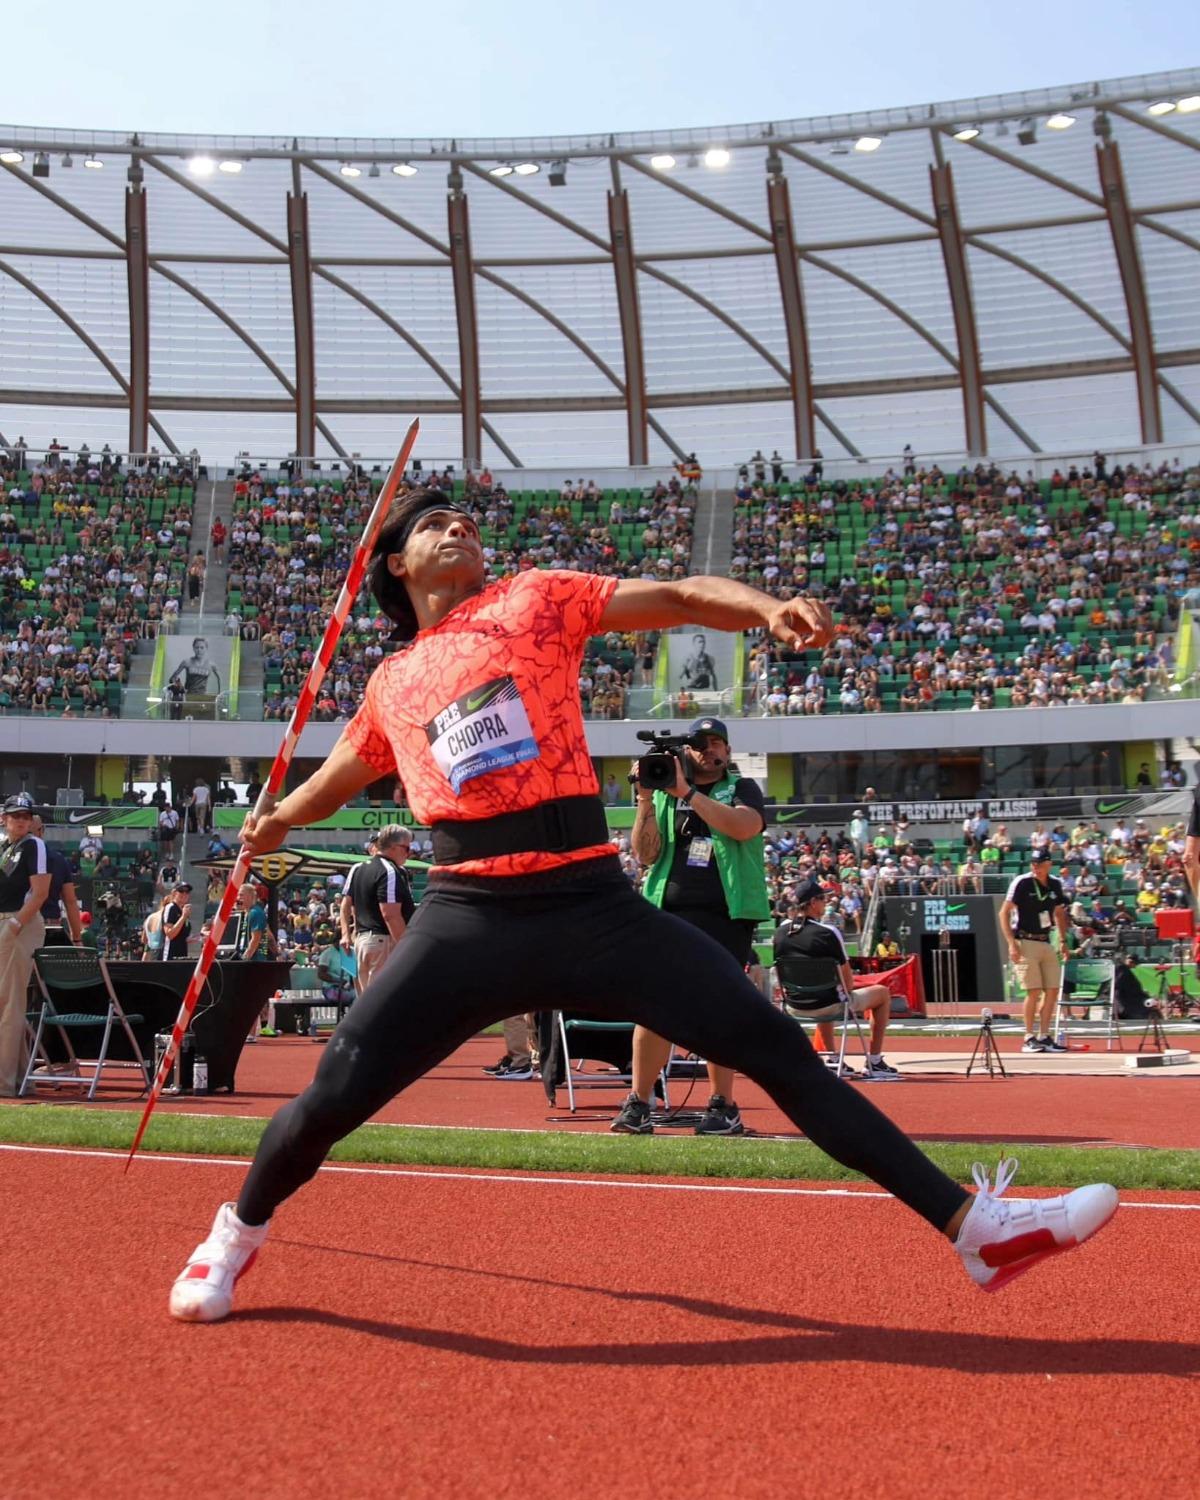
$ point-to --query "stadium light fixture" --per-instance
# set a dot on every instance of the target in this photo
(373, 169)
(868, 143)
(526, 168)
(404, 169)
(348, 169)
(716, 156)
(231, 167)
(504, 169)
(1027, 132)
(68, 161)
(558, 173)
(839, 148)
(201, 166)
(1161, 107)
(41, 164)
(663, 162)
(1189, 105)
(1060, 121)
(966, 132)
(12, 158)
(93, 163)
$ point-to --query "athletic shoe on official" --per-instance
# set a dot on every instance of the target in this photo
(881, 1070)
(514, 1072)
(500, 1065)
(845, 1071)
(1052, 1044)
(721, 1117)
(1034, 1044)
(203, 1291)
(1002, 1237)
(633, 1118)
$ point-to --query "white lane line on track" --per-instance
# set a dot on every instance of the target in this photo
(646, 1184)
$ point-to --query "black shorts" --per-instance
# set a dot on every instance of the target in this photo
(734, 935)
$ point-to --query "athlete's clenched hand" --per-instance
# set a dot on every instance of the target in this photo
(803, 623)
(264, 835)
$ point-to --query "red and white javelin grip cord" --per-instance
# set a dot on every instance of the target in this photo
(270, 793)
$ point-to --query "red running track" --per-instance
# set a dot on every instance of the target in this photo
(1145, 1109)
(444, 1335)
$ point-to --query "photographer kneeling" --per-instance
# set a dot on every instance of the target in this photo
(702, 839)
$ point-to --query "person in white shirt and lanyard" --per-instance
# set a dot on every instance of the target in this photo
(24, 890)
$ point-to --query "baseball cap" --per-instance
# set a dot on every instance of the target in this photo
(19, 802)
(709, 726)
(183, 886)
(811, 890)
(1041, 857)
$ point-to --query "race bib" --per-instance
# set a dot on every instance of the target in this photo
(485, 730)
(700, 853)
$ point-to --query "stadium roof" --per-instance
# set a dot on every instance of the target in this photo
(1009, 275)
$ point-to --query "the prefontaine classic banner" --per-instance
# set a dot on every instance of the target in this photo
(1155, 807)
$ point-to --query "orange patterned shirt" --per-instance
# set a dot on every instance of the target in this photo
(480, 715)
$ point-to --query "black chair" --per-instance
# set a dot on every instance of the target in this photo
(73, 971)
(812, 991)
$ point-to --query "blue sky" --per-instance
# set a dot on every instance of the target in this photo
(462, 67)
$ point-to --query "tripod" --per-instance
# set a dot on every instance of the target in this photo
(986, 1051)
(1153, 1033)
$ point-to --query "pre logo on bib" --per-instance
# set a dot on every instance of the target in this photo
(487, 729)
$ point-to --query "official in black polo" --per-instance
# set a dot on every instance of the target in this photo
(1191, 848)
(1034, 909)
(177, 922)
(381, 902)
(61, 911)
(809, 937)
(24, 888)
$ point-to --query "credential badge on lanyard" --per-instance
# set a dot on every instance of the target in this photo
(487, 729)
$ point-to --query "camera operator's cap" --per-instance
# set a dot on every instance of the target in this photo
(19, 802)
(709, 726)
(811, 890)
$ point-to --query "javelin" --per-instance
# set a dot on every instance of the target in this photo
(268, 797)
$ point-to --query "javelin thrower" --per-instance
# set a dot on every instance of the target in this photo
(479, 716)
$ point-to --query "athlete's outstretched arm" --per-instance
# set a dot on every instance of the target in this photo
(341, 776)
(722, 603)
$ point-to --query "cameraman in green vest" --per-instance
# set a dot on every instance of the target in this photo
(703, 843)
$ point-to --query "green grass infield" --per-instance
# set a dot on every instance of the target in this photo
(661, 1155)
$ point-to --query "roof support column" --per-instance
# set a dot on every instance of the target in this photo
(783, 237)
(625, 268)
(1120, 222)
(137, 266)
(462, 270)
(958, 280)
(300, 267)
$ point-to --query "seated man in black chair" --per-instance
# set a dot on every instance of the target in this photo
(808, 937)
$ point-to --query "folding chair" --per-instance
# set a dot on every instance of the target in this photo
(580, 1027)
(75, 970)
(1093, 983)
(811, 990)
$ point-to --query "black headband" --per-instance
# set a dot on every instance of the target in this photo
(434, 501)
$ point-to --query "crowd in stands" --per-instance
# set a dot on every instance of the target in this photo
(973, 589)
(92, 556)
(289, 545)
(1114, 876)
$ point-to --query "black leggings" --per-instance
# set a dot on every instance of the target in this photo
(472, 957)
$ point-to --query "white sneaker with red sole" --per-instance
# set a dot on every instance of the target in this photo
(1001, 1238)
(203, 1290)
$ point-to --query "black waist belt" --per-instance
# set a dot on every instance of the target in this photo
(550, 828)
(1033, 937)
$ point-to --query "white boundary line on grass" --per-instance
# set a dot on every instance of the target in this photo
(647, 1184)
